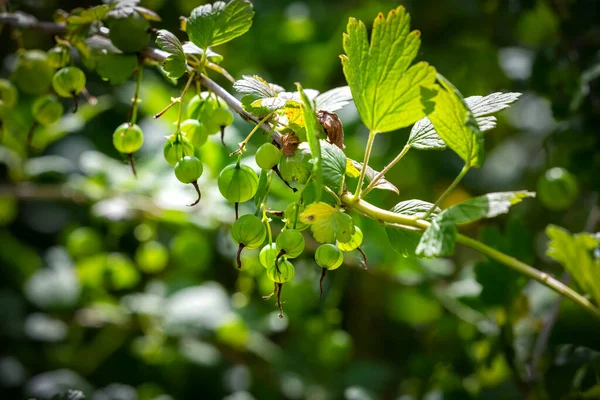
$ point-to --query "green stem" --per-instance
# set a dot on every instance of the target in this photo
(185, 89)
(365, 164)
(136, 96)
(384, 216)
(384, 171)
(242, 147)
(527, 270)
(456, 181)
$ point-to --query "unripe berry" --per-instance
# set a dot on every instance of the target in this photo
(329, 256)
(267, 156)
(68, 81)
(238, 183)
(268, 254)
(47, 109)
(128, 138)
(291, 241)
(177, 147)
(195, 132)
(59, 56)
(33, 73)
(283, 273)
(188, 169)
(355, 241)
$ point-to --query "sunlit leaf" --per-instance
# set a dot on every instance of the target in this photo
(327, 223)
(404, 239)
(387, 93)
(256, 86)
(218, 23)
(190, 49)
(313, 134)
(175, 64)
(333, 99)
(333, 165)
(573, 252)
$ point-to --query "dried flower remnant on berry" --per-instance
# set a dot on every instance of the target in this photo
(334, 129)
(289, 144)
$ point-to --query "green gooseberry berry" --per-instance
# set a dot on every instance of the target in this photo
(267, 156)
(68, 81)
(557, 189)
(290, 242)
(282, 273)
(248, 231)
(128, 138)
(222, 117)
(188, 169)
(47, 109)
(354, 242)
(296, 168)
(238, 183)
(177, 147)
(33, 73)
(8, 97)
(268, 254)
(59, 56)
(194, 131)
(130, 34)
(292, 215)
(328, 256)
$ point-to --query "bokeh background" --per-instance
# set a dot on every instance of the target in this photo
(113, 286)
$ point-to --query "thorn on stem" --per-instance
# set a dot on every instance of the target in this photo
(132, 164)
(195, 184)
(239, 255)
(276, 169)
(323, 273)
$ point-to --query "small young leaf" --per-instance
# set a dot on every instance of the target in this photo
(387, 93)
(116, 68)
(190, 49)
(403, 239)
(486, 206)
(175, 64)
(455, 124)
(438, 240)
(334, 166)
(88, 15)
(313, 134)
(147, 14)
(370, 173)
(573, 252)
(328, 223)
(424, 137)
(333, 99)
(257, 87)
(485, 105)
(218, 23)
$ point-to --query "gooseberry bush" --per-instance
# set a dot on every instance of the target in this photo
(303, 141)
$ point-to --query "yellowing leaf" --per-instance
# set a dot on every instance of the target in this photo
(351, 169)
(328, 223)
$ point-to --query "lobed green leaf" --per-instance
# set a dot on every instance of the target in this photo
(573, 252)
(405, 239)
(333, 162)
(218, 23)
(175, 64)
(388, 94)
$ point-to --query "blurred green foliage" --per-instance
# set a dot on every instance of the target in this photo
(112, 286)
